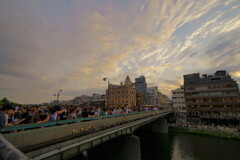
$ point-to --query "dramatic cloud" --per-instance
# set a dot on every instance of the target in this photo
(72, 45)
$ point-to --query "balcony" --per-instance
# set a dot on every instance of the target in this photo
(213, 96)
(210, 89)
(214, 109)
(219, 117)
(213, 103)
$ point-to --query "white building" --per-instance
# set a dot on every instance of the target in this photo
(95, 97)
(178, 100)
(152, 95)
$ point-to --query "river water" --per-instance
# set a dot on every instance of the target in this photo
(155, 146)
(187, 147)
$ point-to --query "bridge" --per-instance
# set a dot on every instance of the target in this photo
(64, 139)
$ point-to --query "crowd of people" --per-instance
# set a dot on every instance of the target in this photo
(17, 115)
(208, 122)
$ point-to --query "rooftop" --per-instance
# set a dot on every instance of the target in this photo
(195, 78)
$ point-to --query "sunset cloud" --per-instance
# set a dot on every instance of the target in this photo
(72, 45)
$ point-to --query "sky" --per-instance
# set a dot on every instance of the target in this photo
(72, 44)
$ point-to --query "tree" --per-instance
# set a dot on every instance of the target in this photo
(5, 101)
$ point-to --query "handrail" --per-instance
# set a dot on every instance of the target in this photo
(9, 151)
(54, 123)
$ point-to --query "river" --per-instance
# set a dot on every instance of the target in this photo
(187, 147)
(155, 146)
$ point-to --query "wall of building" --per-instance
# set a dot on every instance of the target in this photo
(152, 95)
(121, 95)
(178, 100)
(212, 96)
(141, 86)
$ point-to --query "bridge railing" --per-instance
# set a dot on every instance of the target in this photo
(9, 151)
(62, 122)
(36, 139)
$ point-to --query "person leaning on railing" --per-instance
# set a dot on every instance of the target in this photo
(25, 117)
(40, 114)
(6, 112)
(52, 116)
(2, 117)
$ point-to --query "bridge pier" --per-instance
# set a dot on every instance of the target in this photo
(128, 149)
(172, 118)
(158, 126)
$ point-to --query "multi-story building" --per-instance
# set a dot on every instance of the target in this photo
(85, 99)
(140, 99)
(212, 98)
(77, 100)
(162, 99)
(178, 100)
(156, 98)
(95, 96)
(152, 95)
(121, 95)
(141, 86)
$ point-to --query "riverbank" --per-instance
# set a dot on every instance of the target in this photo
(205, 132)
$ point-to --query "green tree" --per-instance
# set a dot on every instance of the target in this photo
(5, 101)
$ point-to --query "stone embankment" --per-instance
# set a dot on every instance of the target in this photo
(206, 131)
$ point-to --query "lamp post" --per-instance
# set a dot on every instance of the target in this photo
(104, 79)
(58, 94)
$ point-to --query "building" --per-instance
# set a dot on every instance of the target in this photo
(55, 102)
(152, 95)
(121, 95)
(178, 100)
(98, 100)
(77, 100)
(163, 100)
(103, 96)
(65, 102)
(141, 86)
(83, 99)
(140, 99)
(95, 96)
(156, 98)
(212, 99)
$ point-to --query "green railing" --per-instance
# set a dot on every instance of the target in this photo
(55, 123)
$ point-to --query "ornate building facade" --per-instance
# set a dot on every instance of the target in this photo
(121, 95)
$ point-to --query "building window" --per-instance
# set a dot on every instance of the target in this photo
(229, 85)
(215, 93)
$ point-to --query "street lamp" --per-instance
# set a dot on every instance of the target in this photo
(104, 79)
(58, 94)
